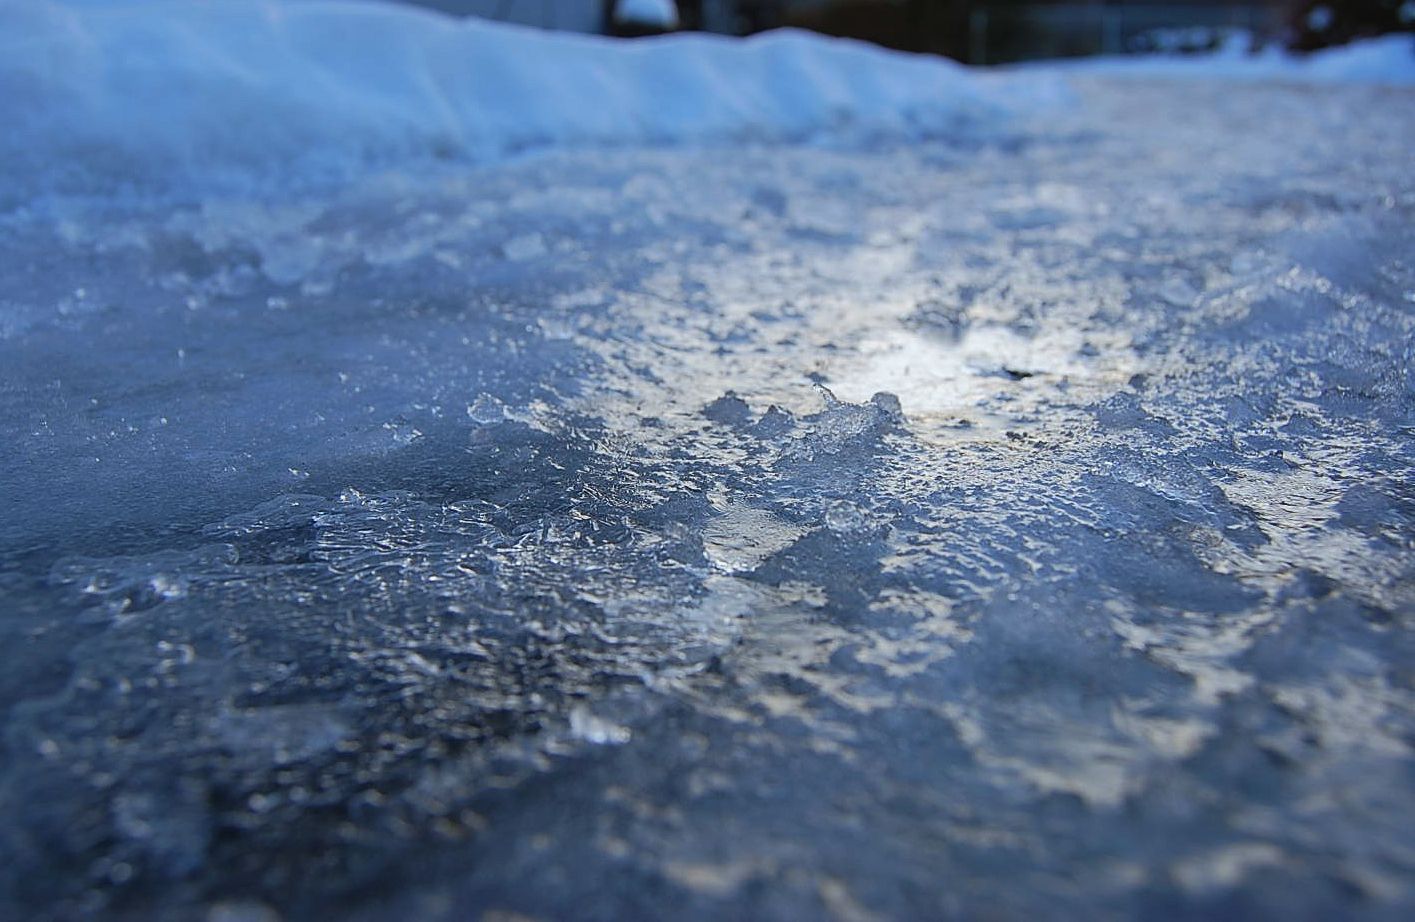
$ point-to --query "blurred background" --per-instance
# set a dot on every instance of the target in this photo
(981, 31)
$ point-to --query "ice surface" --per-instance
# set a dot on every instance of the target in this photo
(1012, 524)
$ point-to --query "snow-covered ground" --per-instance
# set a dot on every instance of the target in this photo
(965, 495)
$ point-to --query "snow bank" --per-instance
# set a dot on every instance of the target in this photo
(231, 92)
(1388, 60)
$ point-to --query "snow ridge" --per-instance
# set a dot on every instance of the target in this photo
(228, 92)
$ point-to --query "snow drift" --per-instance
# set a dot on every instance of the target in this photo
(237, 94)
(232, 91)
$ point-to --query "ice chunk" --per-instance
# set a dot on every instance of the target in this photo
(585, 725)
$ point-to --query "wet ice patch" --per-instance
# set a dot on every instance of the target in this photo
(741, 537)
(933, 376)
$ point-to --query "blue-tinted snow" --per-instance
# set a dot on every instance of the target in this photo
(1009, 525)
(163, 95)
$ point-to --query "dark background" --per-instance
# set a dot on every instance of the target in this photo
(996, 31)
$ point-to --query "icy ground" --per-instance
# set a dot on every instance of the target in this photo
(1015, 529)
